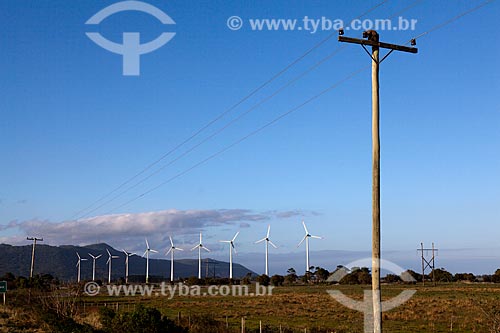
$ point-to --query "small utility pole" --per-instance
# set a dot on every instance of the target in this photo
(428, 263)
(34, 239)
(372, 39)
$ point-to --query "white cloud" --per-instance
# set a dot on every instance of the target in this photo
(129, 230)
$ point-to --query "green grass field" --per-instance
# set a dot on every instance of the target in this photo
(453, 307)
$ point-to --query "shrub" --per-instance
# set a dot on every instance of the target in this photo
(441, 275)
(359, 276)
(193, 281)
(321, 273)
(263, 280)
(277, 280)
(141, 320)
(392, 278)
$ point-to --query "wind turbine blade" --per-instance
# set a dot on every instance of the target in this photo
(268, 230)
(303, 239)
(115, 257)
(109, 254)
(154, 251)
(98, 256)
(131, 254)
(144, 253)
(204, 248)
(78, 255)
(126, 253)
(169, 250)
(194, 248)
(147, 244)
(236, 235)
(77, 263)
(178, 248)
(317, 237)
(222, 241)
(171, 241)
(305, 228)
(260, 240)
(107, 262)
(200, 237)
(90, 254)
(273, 244)
(83, 259)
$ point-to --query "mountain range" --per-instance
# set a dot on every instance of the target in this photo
(60, 262)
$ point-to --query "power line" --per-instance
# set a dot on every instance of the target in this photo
(220, 130)
(275, 120)
(453, 19)
(413, 4)
(284, 114)
(79, 213)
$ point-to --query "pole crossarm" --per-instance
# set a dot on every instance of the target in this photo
(378, 44)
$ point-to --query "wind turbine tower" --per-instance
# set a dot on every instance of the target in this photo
(268, 241)
(306, 238)
(78, 264)
(231, 247)
(127, 256)
(110, 259)
(146, 253)
(200, 246)
(94, 258)
(171, 250)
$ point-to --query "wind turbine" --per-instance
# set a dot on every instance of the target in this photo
(306, 238)
(200, 246)
(78, 264)
(146, 253)
(171, 250)
(268, 241)
(127, 255)
(94, 258)
(110, 258)
(231, 247)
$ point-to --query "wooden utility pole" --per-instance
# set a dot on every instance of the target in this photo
(423, 261)
(377, 298)
(428, 263)
(34, 239)
(372, 39)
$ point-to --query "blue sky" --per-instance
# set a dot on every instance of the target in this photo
(73, 128)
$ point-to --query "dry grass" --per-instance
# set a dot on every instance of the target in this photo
(461, 308)
(444, 308)
(19, 320)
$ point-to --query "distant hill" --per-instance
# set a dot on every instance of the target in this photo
(60, 261)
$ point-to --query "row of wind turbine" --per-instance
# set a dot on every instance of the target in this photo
(199, 246)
